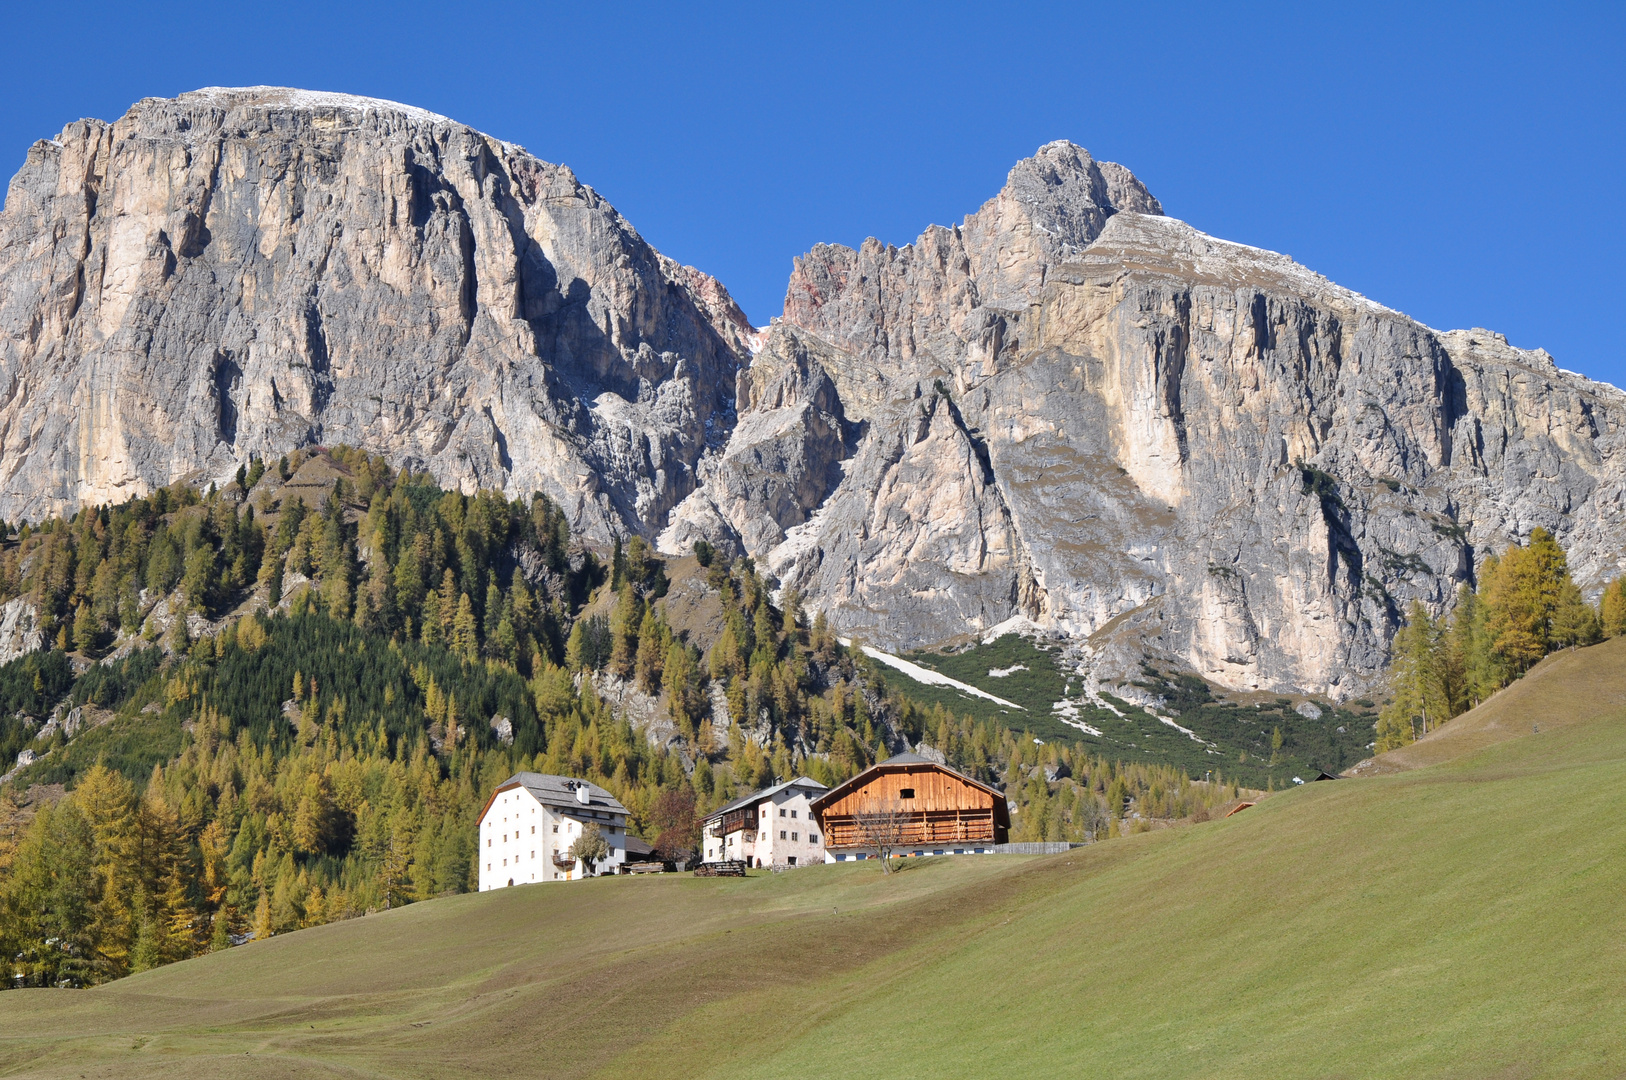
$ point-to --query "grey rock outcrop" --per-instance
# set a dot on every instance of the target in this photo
(19, 629)
(1073, 413)
(1068, 412)
(237, 272)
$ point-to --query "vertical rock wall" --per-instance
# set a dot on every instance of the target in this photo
(238, 272)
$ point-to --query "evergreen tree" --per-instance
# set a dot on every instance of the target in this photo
(466, 631)
(1417, 691)
(1612, 609)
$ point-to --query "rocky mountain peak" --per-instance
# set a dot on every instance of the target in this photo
(1068, 413)
(1074, 414)
(290, 99)
(243, 271)
(1070, 195)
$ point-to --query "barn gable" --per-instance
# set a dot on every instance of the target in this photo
(940, 804)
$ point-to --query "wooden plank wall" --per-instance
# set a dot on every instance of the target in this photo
(947, 827)
(934, 790)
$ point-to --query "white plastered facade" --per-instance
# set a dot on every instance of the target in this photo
(785, 833)
(520, 838)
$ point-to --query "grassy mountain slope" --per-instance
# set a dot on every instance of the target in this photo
(1570, 686)
(1458, 920)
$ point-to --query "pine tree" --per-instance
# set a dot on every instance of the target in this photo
(466, 631)
(262, 917)
(1612, 608)
(148, 951)
(85, 629)
(1417, 692)
(1574, 621)
(1469, 641)
(625, 620)
(651, 654)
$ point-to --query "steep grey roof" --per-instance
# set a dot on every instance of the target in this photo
(560, 791)
(765, 793)
(635, 846)
(908, 757)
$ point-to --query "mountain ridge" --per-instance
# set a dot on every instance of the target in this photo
(1068, 410)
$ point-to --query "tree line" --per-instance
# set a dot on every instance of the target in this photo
(1526, 605)
(376, 663)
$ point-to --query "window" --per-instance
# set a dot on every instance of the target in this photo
(764, 811)
(812, 837)
(781, 811)
(488, 866)
(533, 854)
(533, 830)
(781, 834)
(488, 841)
(764, 836)
(793, 813)
(555, 826)
(793, 836)
(907, 793)
(791, 859)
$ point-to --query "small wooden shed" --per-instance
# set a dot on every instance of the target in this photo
(938, 805)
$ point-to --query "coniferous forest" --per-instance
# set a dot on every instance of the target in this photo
(283, 701)
(1526, 605)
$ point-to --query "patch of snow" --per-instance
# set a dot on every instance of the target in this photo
(1002, 672)
(1192, 735)
(1016, 624)
(927, 676)
(312, 99)
(1067, 713)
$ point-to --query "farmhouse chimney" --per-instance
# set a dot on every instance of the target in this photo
(583, 795)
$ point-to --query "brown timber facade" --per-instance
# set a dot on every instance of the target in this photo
(934, 810)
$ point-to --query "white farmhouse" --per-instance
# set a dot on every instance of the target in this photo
(774, 826)
(531, 820)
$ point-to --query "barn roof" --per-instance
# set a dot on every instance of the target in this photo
(559, 791)
(765, 793)
(912, 762)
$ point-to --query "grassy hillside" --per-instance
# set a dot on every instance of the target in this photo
(1457, 920)
(1568, 687)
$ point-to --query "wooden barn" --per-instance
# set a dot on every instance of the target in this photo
(912, 806)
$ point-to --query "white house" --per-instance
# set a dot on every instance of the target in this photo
(531, 820)
(772, 827)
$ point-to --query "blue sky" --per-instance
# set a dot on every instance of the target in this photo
(1460, 163)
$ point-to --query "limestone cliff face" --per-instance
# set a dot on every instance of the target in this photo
(239, 272)
(1068, 410)
(1074, 411)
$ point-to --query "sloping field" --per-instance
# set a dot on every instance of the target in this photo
(1569, 687)
(1460, 920)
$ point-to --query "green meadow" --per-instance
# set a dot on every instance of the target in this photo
(1458, 914)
